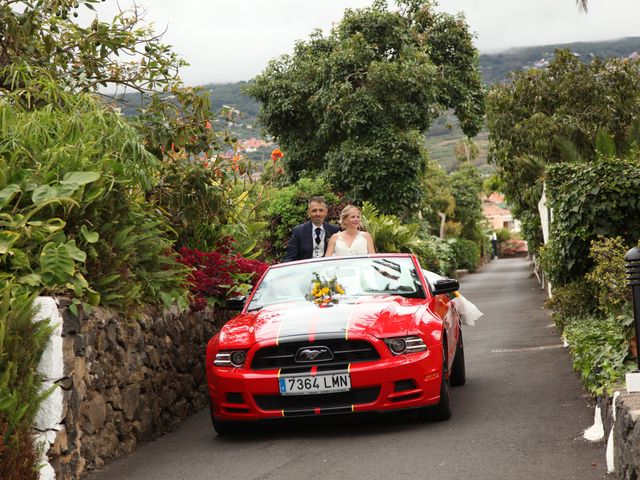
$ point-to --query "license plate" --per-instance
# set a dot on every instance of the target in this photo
(308, 384)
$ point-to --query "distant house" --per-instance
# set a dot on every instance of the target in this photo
(253, 144)
(499, 216)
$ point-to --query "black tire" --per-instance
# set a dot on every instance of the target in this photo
(224, 428)
(442, 410)
(458, 372)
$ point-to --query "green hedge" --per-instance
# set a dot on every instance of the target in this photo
(600, 351)
(467, 254)
(588, 200)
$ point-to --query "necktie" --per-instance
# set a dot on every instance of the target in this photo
(318, 231)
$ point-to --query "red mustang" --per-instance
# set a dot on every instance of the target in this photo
(338, 335)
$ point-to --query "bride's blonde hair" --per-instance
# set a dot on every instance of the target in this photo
(344, 214)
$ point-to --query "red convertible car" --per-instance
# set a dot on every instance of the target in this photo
(338, 335)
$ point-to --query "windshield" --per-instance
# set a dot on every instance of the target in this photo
(328, 280)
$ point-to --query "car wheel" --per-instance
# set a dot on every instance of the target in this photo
(442, 410)
(458, 372)
(224, 428)
(221, 427)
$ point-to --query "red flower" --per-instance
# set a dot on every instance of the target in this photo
(276, 155)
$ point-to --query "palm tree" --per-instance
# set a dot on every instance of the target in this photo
(582, 5)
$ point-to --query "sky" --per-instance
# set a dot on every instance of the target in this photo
(233, 40)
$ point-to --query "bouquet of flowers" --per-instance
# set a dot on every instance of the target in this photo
(324, 292)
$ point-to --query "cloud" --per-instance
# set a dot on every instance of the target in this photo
(227, 41)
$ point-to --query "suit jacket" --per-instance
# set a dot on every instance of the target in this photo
(301, 242)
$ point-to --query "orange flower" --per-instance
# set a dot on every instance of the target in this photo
(207, 125)
(276, 155)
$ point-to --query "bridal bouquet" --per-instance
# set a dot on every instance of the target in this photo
(324, 292)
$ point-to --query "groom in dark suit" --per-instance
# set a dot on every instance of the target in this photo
(310, 239)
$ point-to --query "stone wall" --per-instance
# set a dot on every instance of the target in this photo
(126, 380)
(623, 447)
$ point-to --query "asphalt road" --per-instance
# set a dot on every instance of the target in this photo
(520, 416)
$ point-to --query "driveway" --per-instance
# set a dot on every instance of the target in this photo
(520, 415)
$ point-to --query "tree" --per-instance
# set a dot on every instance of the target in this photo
(43, 39)
(582, 5)
(466, 186)
(466, 150)
(556, 115)
(354, 102)
(438, 201)
(46, 35)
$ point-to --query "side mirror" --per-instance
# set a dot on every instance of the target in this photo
(236, 303)
(446, 285)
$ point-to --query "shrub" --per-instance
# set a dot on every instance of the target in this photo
(573, 300)
(467, 253)
(436, 255)
(608, 275)
(503, 234)
(589, 199)
(22, 343)
(288, 208)
(452, 229)
(599, 350)
(391, 235)
(219, 274)
(77, 218)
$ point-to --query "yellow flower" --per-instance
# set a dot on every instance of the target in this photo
(324, 291)
(339, 289)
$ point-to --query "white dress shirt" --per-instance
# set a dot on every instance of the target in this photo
(318, 249)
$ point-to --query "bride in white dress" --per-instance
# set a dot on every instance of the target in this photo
(351, 241)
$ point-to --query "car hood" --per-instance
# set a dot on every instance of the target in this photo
(377, 316)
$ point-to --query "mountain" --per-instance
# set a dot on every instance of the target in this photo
(495, 67)
(445, 132)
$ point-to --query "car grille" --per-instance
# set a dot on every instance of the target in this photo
(319, 400)
(344, 351)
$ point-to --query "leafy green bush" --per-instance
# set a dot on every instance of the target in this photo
(391, 235)
(573, 300)
(503, 234)
(599, 350)
(608, 274)
(436, 255)
(589, 199)
(467, 253)
(22, 343)
(74, 215)
(288, 207)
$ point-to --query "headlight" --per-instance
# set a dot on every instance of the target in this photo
(410, 344)
(233, 358)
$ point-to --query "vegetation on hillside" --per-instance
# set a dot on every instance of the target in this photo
(496, 67)
(444, 133)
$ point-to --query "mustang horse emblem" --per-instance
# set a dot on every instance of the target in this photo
(311, 354)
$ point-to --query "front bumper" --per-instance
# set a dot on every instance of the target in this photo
(390, 383)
